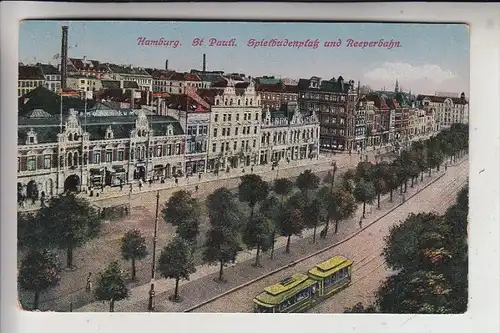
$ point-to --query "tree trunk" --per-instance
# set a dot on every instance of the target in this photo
(257, 256)
(287, 249)
(406, 186)
(176, 290)
(221, 270)
(422, 176)
(390, 197)
(327, 226)
(378, 201)
(273, 241)
(364, 208)
(314, 233)
(336, 226)
(439, 167)
(69, 257)
(430, 171)
(401, 189)
(412, 182)
(112, 306)
(133, 269)
(36, 300)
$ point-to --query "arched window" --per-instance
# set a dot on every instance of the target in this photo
(70, 137)
(70, 159)
(251, 100)
(239, 102)
(75, 159)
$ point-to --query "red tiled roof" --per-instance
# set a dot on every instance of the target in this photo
(30, 73)
(220, 84)
(209, 94)
(176, 76)
(191, 77)
(441, 99)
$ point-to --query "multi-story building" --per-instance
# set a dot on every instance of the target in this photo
(30, 77)
(128, 73)
(104, 147)
(234, 125)
(87, 67)
(52, 77)
(331, 100)
(381, 125)
(360, 122)
(88, 84)
(275, 92)
(447, 110)
(288, 134)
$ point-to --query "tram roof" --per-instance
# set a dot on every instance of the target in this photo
(277, 293)
(330, 266)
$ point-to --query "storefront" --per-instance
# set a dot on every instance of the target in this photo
(95, 178)
(193, 167)
(158, 172)
(140, 171)
(118, 176)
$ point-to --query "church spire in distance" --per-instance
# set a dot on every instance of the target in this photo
(396, 89)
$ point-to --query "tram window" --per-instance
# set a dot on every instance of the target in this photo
(302, 295)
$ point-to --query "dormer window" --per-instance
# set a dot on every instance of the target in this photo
(31, 137)
(109, 133)
(170, 130)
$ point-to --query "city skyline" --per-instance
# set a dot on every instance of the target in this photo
(431, 57)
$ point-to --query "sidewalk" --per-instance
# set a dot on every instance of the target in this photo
(201, 286)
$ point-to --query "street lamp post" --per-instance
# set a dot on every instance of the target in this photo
(151, 304)
(334, 169)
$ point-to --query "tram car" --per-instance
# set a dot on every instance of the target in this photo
(300, 292)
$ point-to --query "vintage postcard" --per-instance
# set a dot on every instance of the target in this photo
(258, 167)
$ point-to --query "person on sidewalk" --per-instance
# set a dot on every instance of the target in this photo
(140, 184)
(446, 166)
(361, 222)
(199, 176)
(196, 188)
(88, 285)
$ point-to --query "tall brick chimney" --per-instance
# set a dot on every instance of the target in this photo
(64, 56)
(204, 62)
(166, 65)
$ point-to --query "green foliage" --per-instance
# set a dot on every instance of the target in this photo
(365, 171)
(364, 191)
(111, 285)
(360, 308)
(180, 206)
(66, 223)
(328, 178)
(252, 189)
(223, 209)
(38, 272)
(257, 234)
(283, 186)
(221, 245)
(134, 247)
(349, 180)
(176, 260)
(292, 221)
(307, 181)
(343, 205)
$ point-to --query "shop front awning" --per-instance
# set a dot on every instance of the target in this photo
(118, 169)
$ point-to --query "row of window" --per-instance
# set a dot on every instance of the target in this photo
(332, 131)
(325, 97)
(282, 137)
(197, 130)
(226, 117)
(224, 146)
(239, 101)
(336, 277)
(277, 97)
(226, 131)
(196, 147)
(300, 296)
(29, 83)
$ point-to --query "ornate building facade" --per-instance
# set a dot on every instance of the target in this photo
(98, 150)
(288, 135)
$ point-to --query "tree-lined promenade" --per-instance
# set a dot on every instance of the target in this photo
(253, 219)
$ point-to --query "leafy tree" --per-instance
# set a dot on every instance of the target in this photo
(292, 221)
(67, 223)
(111, 285)
(39, 271)
(221, 246)
(349, 180)
(134, 248)
(391, 180)
(365, 170)
(272, 209)
(176, 262)
(435, 157)
(364, 192)
(360, 308)
(316, 212)
(406, 241)
(343, 206)
(183, 211)
(252, 189)
(283, 187)
(415, 292)
(30, 233)
(380, 180)
(223, 238)
(257, 234)
(306, 182)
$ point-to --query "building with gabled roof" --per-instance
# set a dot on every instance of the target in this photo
(447, 110)
(29, 78)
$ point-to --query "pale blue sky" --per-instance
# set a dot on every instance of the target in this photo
(432, 57)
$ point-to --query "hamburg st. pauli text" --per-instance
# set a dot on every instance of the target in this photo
(308, 43)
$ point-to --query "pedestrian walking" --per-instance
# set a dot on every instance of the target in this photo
(176, 181)
(404, 197)
(361, 222)
(140, 184)
(88, 285)
(150, 182)
(446, 166)
(121, 185)
(199, 176)
(196, 188)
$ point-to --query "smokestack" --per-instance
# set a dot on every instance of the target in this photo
(204, 62)
(64, 56)
(132, 99)
(166, 65)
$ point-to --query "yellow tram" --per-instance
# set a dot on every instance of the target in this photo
(300, 292)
